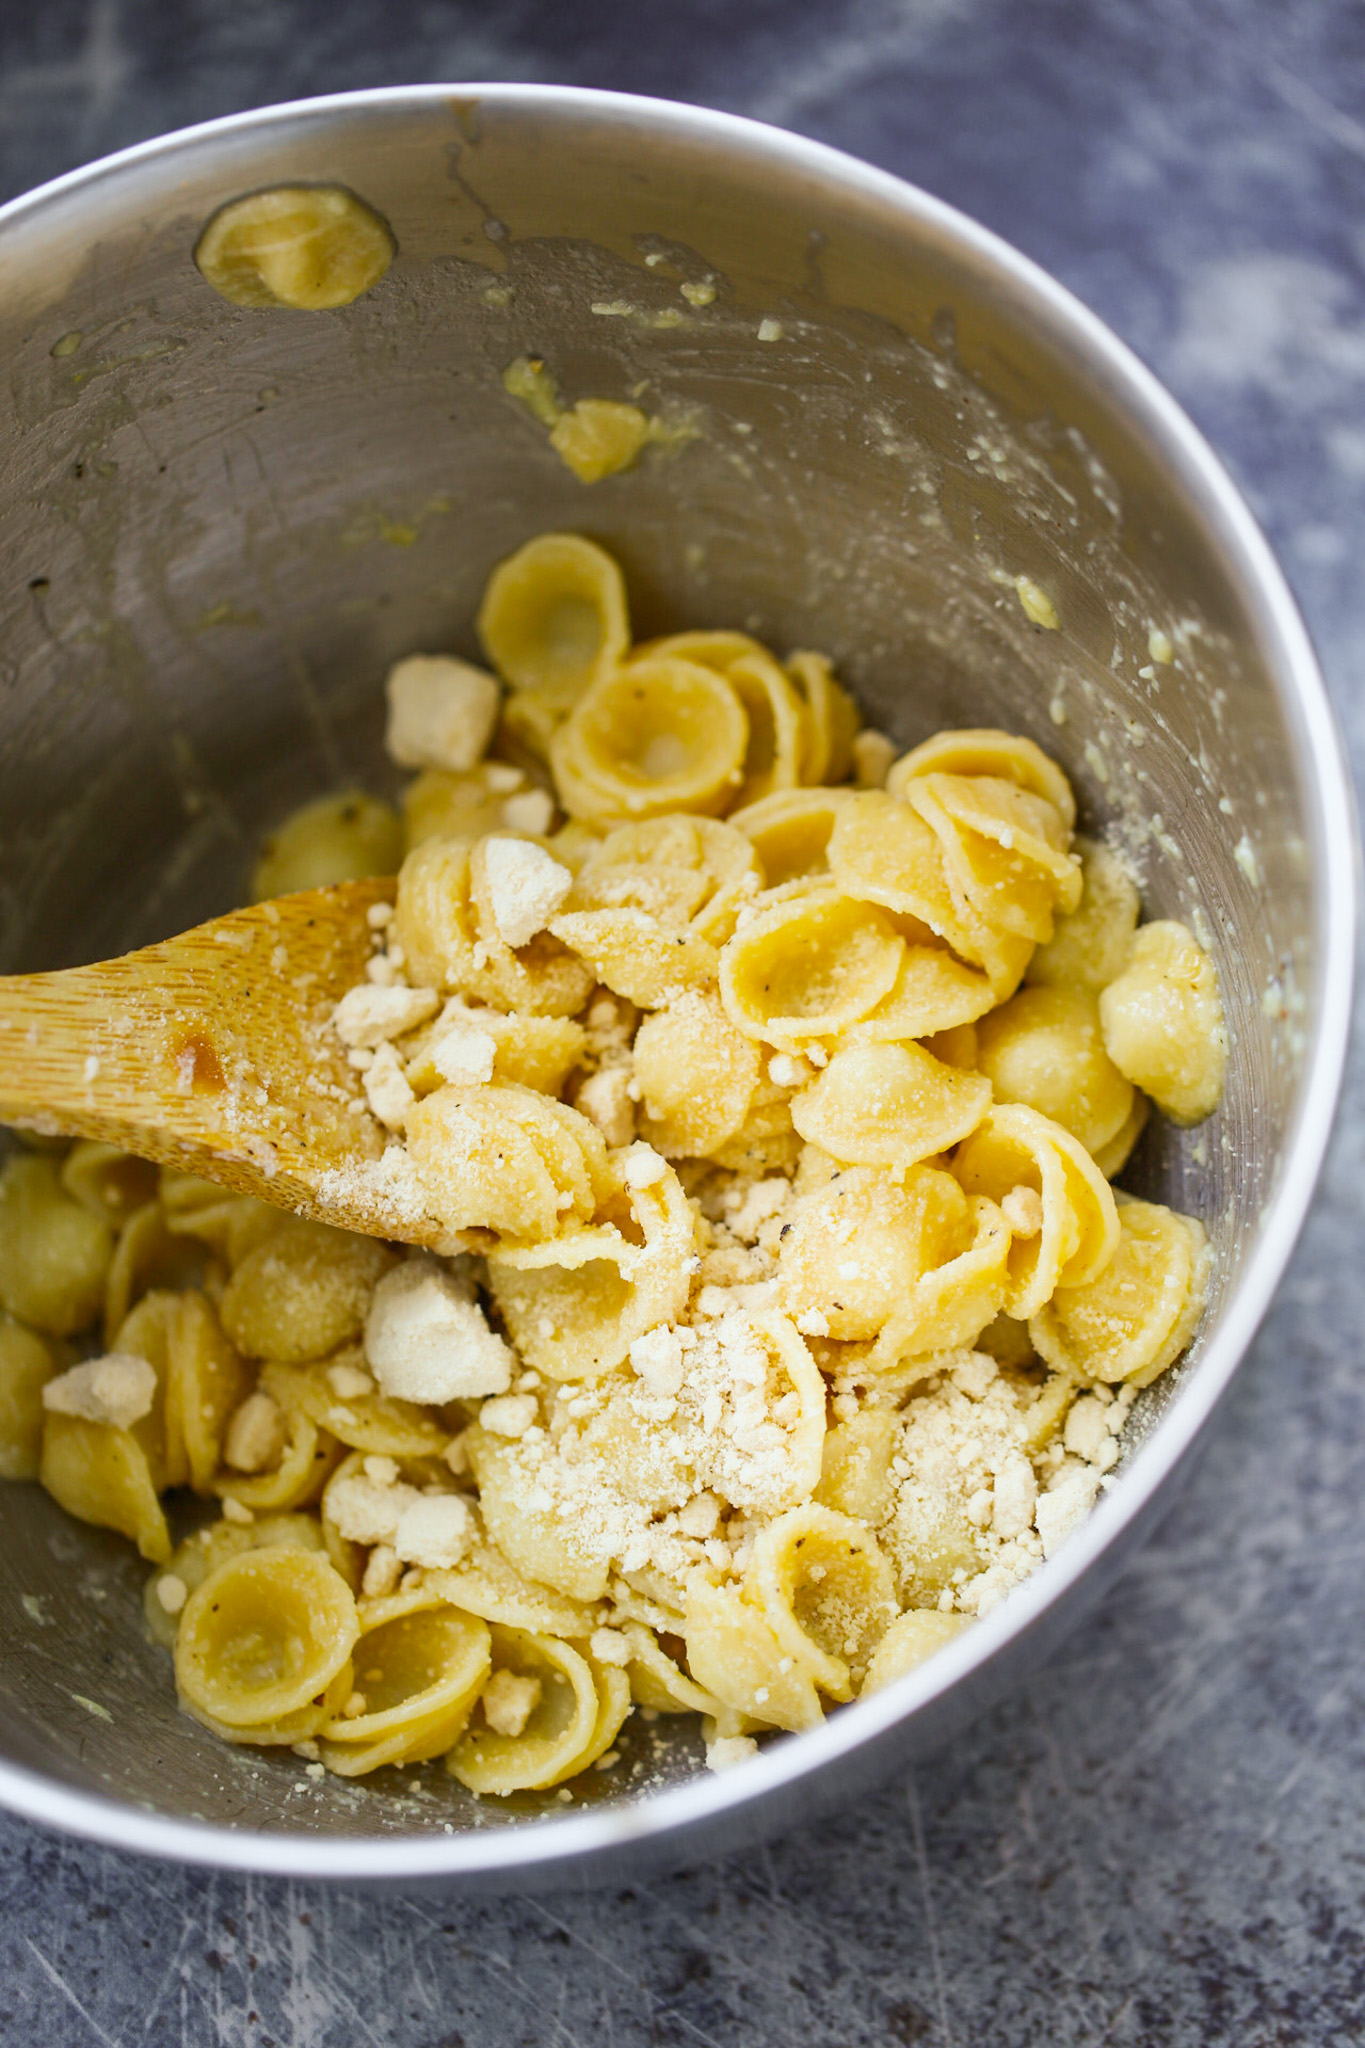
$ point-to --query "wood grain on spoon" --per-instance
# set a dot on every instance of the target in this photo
(211, 1052)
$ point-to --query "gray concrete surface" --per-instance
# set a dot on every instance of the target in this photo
(1161, 1841)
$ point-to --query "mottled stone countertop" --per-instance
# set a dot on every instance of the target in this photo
(1160, 1840)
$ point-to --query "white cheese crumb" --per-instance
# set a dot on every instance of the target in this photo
(1159, 646)
(1066, 1503)
(770, 330)
(118, 1390)
(441, 712)
(367, 1015)
(509, 1414)
(1087, 1428)
(171, 1593)
(700, 1516)
(786, 1072)
(728, 1750)
(349, 1382)
(388, 1090)
(383, 1471)
(526, 885)
(605, 1100)
(435, 1531)
(531, 810)
(237, 1511)
(366, 1512)
(255, 1435)
(1022, 1209)
(813, 1323)
(657, 1357)
(509, 1700)
(609, 1646)
(465, 1054)
(318, 1770)
(378, 916)
(426, 1340)
(92, 1066)
(1016, 1493)
(644, 1166)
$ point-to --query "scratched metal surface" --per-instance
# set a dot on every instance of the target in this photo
(1159, 1841)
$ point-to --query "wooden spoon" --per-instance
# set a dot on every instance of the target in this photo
(210, 1052)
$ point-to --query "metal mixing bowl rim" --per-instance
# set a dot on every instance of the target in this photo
(560, 1842)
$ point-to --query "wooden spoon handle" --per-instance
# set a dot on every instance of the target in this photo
(208, 1051)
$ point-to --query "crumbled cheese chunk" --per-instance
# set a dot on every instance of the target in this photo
(435, 1531)
(1066, 1503)
(349, 1382)
(813, 1323)
(367, 1015)
(441, 712)
(237, 1511)
(530, 810)
(754, 1204)
(387, 1089)
(509, 1414)
(118, 1390)
(427, 1340)
(728, 1750)
(1022, 1209)
(609, 1646)
(1087, 1428)
(255, 1435)
(464, 1053)
(526, 886)
(605, 1100)
(509, 1700)
(171, 1592)
(1016, 1492)
(658, 1358)
(644, 1166)
(699, 1517)
(365, 1512)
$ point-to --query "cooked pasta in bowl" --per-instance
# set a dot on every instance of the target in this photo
(852, 1013)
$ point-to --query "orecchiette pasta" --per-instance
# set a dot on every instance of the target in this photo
(786, 1318)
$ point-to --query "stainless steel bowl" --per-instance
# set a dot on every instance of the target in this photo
(217, 526)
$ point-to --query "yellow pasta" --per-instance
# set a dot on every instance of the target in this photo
(808, 967)
(786, 1317)
(697, 1075)
(554, 616)
(1090, 944)
(565, 1716)
(307, 247)
(1163, 1022)
(264, 1636)
(336, 839)
(889, 1105)
(827, 1593)
(1136, 1316)
(419, 1667)
(576, 1310)
(832, 719)
(507, 1159)
(1005, 756)
(790, 831)
(912, 1638)
(1044, 1048)
(54, 1251)
(303, 1292)
(27, 1362)
(1057, 1203)
(662, 735)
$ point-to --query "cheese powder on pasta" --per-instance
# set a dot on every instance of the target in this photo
(788, 1316)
